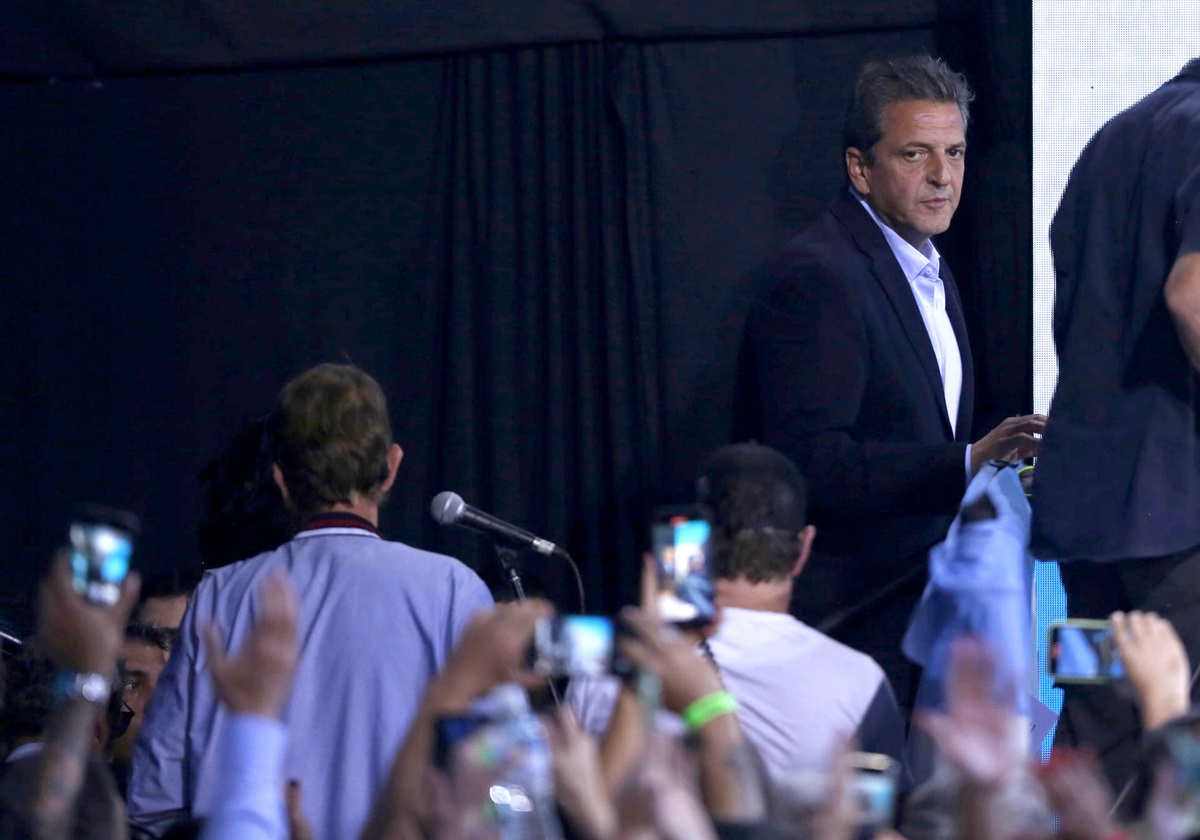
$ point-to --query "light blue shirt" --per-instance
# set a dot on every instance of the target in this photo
(376, 621)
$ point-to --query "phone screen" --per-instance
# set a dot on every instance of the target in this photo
(1084, 651)
(681, 539)
(573, 646)
(101, 547)
(873, 787)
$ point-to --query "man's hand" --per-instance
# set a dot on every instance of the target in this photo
(1156, 663)
(1079, 796)
(77, 635)
(660, 798)
(975, 733)
(578, 780)
(258, 679)
(1012, 440)
(491, 650)
(671, 656)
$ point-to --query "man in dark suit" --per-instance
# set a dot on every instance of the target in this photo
(1117, 490)
(856, 363)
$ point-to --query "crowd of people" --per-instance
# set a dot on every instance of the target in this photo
(271, 698)
(315, 680)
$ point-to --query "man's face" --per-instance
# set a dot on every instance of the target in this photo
(916, 178)
(163, 612)
(143, 664)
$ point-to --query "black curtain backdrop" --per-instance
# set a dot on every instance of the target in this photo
(543, 246)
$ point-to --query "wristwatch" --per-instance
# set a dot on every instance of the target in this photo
(91, 687)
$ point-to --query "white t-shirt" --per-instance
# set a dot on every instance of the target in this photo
(800, 693)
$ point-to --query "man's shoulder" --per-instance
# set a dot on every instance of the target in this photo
(365, 557)
(807, 642)
(836, 232)
(836, 250)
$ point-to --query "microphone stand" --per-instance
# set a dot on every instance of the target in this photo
(505, 556)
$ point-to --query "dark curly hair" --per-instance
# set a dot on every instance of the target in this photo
(244, 513)
(28, 695)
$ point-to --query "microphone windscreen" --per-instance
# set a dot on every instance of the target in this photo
(447, 507)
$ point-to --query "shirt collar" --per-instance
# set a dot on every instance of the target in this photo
(338, 519)
(912, 260)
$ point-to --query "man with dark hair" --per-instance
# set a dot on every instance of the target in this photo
(352, 700)
(856, 362)
(145, 651)
(1117, 489)
(801, 695)
(165, 598)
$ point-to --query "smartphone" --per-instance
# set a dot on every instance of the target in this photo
(873, 788)
(449, 732)
(869, 790)
(681, 538)
(101, 546)
(1083, 651)
(573, 646)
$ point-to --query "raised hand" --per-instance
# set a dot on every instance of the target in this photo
(1079, 795)
(671, 656)
(975, 733)
(578, 780)
(258, 679)
(1156, 663)
(75, 634)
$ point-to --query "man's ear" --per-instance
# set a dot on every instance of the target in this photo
(805, 540)
(859, 170)
(277, 474)
(394, 457)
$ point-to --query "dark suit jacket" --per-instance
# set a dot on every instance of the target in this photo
(839, 374)
(1119, 472)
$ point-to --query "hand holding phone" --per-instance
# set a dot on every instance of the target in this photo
(573, 646)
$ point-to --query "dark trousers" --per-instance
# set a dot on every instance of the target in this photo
(1105, 717)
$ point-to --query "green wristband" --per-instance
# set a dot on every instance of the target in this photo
(708, 708)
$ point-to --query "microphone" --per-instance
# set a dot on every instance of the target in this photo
(448, 508)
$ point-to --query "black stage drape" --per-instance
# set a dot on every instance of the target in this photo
(539, 230)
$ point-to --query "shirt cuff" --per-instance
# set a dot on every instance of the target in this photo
(248, 800)
(968, 463)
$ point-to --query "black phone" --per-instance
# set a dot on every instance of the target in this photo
(101, 547)
(681, 538)
(449, 732)
(1083, 651)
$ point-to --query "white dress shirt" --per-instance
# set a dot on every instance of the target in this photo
(921, 268)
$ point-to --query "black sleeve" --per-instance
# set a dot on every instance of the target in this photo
(881, 729)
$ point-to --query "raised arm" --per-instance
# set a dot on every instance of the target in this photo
(83, 640)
